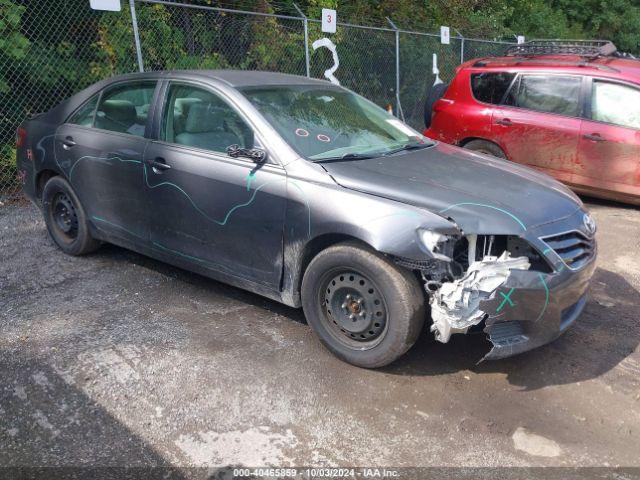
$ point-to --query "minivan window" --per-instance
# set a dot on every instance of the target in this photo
(490, 87)
(550, 94)
(196, 117)
(84, 115)
(125, 108)
(616, 104)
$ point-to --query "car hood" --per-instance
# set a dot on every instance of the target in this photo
(481, 194)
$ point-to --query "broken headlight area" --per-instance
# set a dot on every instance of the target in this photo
(466, 271)
(455, 306)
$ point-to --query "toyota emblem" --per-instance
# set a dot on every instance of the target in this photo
(589, 224)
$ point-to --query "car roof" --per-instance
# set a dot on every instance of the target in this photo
(613, 66)
(233, 78)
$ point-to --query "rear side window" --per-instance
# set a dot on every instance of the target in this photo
(550, 94)
(125, 108)
(84, 115)
(491, 87)
(616, 104)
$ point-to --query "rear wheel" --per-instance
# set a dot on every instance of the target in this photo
(65, 218)
(365, 309)
(483, 146)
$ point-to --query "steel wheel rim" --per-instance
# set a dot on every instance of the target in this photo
(354, 309)
(64, 216)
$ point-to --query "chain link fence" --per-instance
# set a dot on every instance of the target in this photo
(50, 50)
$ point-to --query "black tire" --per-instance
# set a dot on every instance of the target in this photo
(435, 93)
(391, 305)
(483, 146)
(66, 219)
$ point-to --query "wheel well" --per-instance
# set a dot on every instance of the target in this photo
(464, 141)
(43, 177)
(322, 242)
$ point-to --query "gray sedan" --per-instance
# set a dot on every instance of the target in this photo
(308, 194)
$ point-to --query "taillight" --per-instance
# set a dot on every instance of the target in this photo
(21, 137)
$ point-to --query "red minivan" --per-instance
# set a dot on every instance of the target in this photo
(570, 109)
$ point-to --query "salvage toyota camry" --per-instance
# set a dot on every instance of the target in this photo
(308, 194)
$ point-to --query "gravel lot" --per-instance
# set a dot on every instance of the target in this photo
(115, 359)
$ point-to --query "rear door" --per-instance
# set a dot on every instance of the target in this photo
(209, 209)
(539, 123)
(101, 149)
(609, 151)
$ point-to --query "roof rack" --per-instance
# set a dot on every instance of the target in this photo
(583, 48)
(516, 61)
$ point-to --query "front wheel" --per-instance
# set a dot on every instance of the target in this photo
(364, 308)
(65, 218)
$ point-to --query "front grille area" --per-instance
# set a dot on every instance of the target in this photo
(574, 248)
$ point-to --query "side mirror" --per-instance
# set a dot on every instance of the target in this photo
(257, 155)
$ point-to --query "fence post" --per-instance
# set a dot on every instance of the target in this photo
(461, 37)
(305, 22)
(136, 35)
(399, 113)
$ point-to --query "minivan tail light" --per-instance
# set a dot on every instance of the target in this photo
(21, 137)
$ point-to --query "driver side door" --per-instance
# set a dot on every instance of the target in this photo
(208, 209)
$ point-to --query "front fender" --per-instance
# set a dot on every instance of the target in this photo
(324, 210)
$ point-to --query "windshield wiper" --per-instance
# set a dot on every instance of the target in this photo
(409, 146)
(346, 156)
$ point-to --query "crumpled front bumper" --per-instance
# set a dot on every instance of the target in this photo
(532, 308)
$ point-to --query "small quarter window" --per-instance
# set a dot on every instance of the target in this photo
(550, 94)
(196, 117)
(616, 104)
(125, 108)
(84, 115)
(491, 87)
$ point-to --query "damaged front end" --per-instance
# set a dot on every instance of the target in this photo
(455, 306)
(466, 274)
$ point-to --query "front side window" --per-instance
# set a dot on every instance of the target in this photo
(491, 87)
(616, 104)
(550, 94)
(199, 118)
(125, 108)
(84, 115)
(322, 122)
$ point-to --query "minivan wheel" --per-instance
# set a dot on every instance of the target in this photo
(65, 218)
(488, 148)
(364, 308)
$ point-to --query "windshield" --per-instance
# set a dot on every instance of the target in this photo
(326, 122)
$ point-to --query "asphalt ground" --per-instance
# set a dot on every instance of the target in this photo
(115, 359)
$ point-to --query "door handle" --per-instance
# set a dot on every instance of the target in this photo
(158, 164)
(68, 142)
(505, 122)
(594, 137)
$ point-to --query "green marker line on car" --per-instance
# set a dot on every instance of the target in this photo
(487, 206)
(507, 299)
(546, 300)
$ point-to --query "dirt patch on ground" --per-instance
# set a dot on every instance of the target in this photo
(116, 359)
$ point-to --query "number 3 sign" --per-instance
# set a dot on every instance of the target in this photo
(329, 20)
